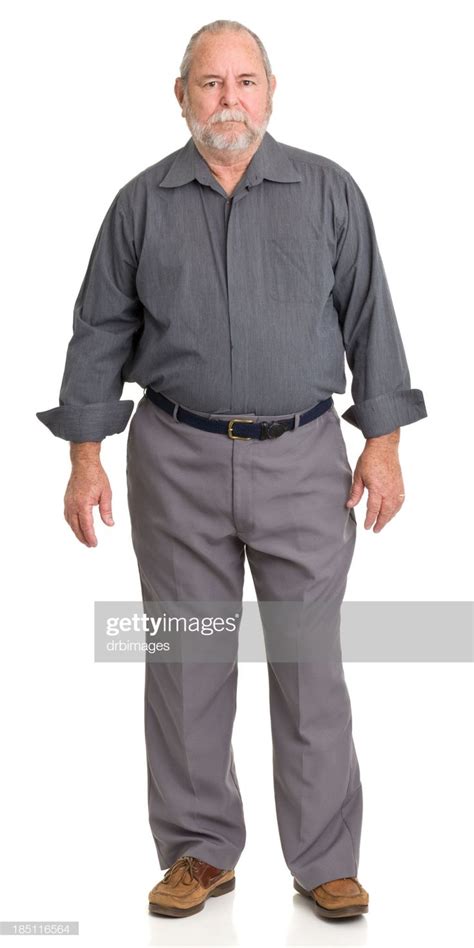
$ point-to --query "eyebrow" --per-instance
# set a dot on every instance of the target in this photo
(252, 75)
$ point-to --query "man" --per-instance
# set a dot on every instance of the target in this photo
(228, 280)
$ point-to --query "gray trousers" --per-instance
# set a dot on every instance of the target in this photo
(199, 502)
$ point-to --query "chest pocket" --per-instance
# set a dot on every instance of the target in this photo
(290, 268)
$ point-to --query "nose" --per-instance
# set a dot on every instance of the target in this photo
(229, 96)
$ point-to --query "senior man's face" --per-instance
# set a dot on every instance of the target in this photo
(228, 101)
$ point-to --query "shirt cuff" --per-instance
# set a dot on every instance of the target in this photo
(87, 422)
(381, 415)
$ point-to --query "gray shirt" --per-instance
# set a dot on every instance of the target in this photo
(242, 304)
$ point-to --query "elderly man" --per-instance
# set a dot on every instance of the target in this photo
(228, 280)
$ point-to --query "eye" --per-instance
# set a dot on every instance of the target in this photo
(212, 82)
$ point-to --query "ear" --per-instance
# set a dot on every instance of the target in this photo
(179, 89)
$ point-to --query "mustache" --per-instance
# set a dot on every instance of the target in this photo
(228, 117)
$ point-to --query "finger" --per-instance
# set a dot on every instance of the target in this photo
(72, 522)
(75, 527)
(87, 525)
(387, 513)
(374, 502)
(105, 508)
(357, 490)
(382, 520)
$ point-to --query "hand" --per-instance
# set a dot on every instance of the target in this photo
(88, 486)
(378, 469)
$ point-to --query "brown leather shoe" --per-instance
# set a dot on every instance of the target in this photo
(187, 885)
(338, 898)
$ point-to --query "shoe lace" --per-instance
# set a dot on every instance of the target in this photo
(186, 865)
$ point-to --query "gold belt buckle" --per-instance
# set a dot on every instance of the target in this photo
(230, 433)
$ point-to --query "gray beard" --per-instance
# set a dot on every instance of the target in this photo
(209, 134)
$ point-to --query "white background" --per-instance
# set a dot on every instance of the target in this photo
(381, 88)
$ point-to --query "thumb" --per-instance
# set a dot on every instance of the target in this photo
(356, 491)
(105, 508)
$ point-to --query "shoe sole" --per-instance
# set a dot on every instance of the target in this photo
(343, 912)
(173, 912)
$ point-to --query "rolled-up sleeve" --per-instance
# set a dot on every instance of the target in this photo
(107, 317)
(381, 389)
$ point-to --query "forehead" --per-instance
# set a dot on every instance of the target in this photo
(226, 50)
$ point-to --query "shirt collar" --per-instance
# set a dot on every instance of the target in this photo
(269, 161)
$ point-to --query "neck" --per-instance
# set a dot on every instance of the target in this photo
(227, 165)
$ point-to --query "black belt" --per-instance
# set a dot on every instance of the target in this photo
(239, 429)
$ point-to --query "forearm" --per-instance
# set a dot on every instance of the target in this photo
(387, 440)
(84, 452)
